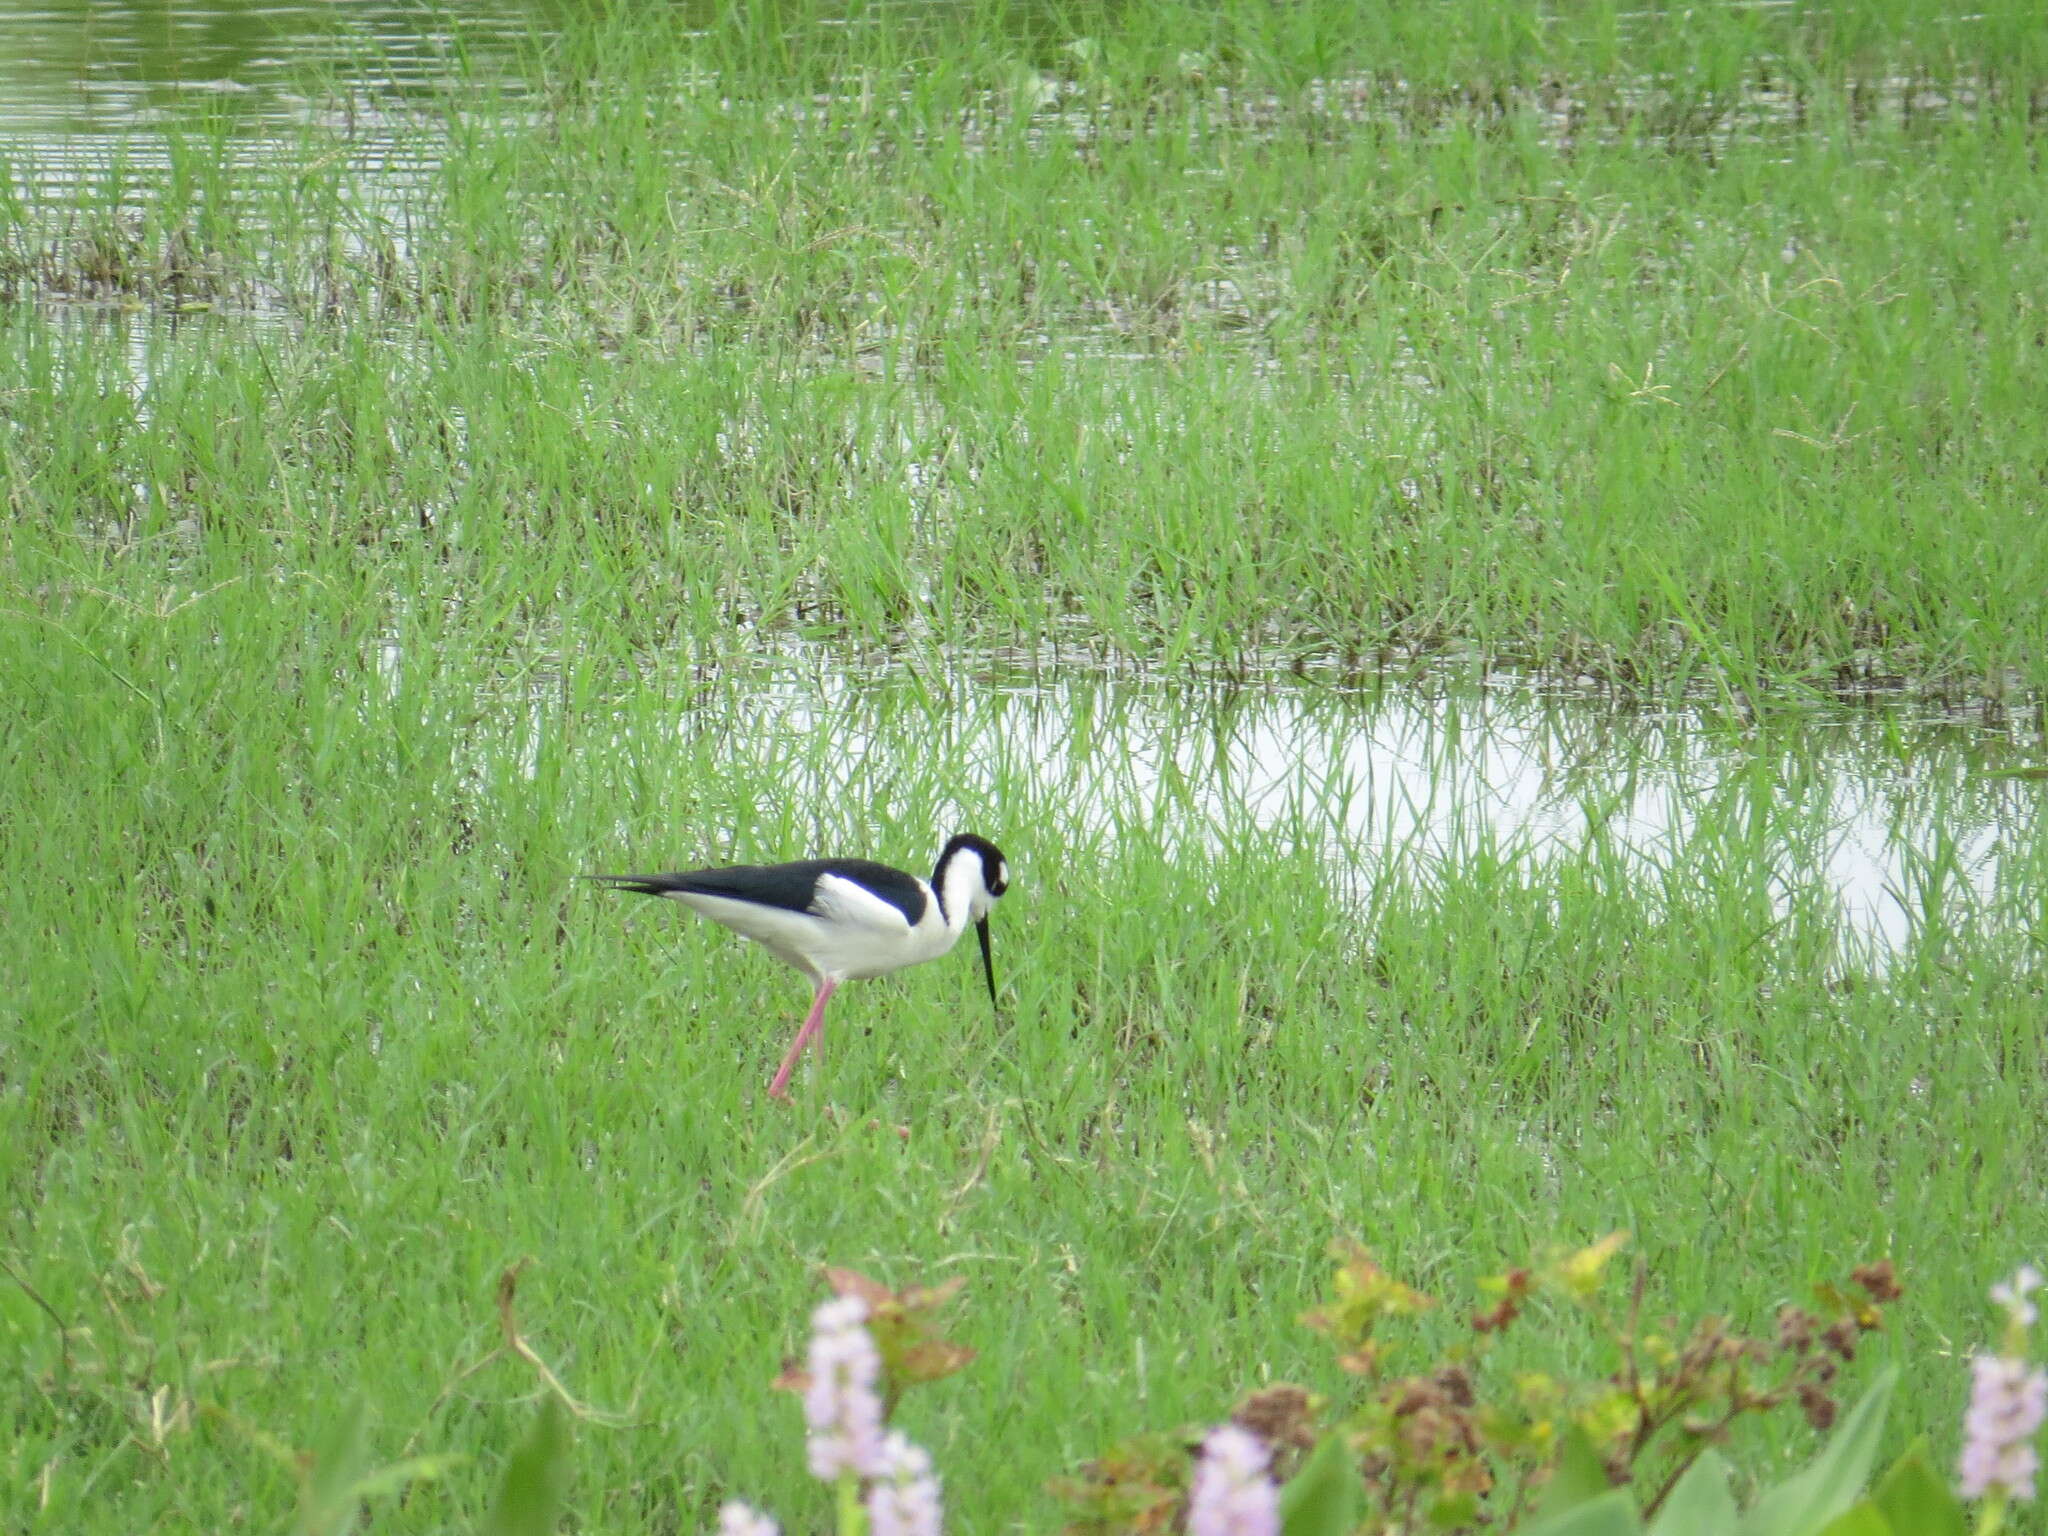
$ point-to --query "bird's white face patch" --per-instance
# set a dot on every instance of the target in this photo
(1002, 873)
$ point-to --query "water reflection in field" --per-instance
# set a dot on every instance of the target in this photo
(1880, 814)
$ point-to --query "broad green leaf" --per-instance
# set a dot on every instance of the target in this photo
(1860, 1519)
(1580, 1475)
(537, 1476)
(1700, 1505)
(1806, 1501)
(1322, 1498)
(327, 1498)
(1917, 1499)
(1611, 1514)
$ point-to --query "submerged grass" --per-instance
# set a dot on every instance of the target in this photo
(1676, 355)
(344, 624)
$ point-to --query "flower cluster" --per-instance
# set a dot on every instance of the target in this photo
(2015, 1295)
(2008, 1401)
(1232, 1493)
(845, 1440)
(903, 1499)
(841, 1406)
(737, 1519)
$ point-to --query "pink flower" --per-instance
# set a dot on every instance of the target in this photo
(903, 1500)
(2012, 1295)
(841, 1407)
(737, 1519)
(2008, 1401)
(1231, 1494)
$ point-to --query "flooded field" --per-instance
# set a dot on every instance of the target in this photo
(1481, 562)
(1861, 824)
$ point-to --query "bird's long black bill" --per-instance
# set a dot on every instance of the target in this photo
(988, 964)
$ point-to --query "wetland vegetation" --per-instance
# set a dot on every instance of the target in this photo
(1484, 561)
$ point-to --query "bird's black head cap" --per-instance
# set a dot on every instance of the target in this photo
(995, 870)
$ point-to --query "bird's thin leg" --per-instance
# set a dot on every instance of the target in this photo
(779, 1089)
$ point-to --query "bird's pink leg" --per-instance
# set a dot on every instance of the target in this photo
(779, 1089)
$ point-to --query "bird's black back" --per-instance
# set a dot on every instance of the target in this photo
(790, 887)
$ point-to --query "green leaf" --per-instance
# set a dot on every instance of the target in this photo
(1860, 1519)
(1916, 1498)
(327, 1496)
(1805, 1502)
(1580, 1475)
(537, 1476)
(1322, 1498)
(1700, 1504)
(1611, 1514)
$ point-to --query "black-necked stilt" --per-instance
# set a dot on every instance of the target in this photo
(843, 919)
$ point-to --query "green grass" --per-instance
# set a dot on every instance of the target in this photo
(322, 1034)
(787, 405)
(1720, 376)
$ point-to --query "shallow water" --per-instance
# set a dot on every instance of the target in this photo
(85, 84)
(97, 100)
(1874, 816)
(80, 68)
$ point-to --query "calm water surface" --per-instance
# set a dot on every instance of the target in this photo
(1872, 817)
(85, 68)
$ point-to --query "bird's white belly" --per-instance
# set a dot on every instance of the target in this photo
(821, 947)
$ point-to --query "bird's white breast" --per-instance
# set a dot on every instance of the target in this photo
(849, 933)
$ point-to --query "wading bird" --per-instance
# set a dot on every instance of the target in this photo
(843, 919)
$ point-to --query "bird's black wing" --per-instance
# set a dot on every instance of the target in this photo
(792, 887)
